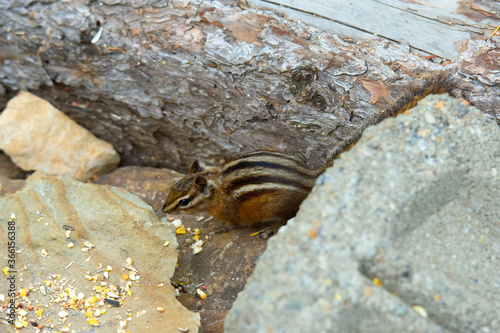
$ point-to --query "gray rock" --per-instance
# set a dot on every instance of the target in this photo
(119, 225)
(37, 136)
(401, 235)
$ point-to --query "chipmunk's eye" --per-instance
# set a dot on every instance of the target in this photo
(184, 202)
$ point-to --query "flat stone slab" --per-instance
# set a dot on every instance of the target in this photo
(72, 245)
(402, 234)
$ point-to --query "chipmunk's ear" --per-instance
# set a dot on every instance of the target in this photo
(196, 166)
(202, 183)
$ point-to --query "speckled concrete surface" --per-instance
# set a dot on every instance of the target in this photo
(401, 235)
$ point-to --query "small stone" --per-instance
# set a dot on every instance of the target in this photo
(37, 136)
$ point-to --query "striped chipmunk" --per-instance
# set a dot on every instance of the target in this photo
(268, 186)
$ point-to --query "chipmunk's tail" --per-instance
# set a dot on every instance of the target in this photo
(441, 83)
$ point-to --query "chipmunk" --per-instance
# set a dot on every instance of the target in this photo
(264, 186)
(268, 186)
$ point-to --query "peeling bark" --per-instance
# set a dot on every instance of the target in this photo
(169, 81)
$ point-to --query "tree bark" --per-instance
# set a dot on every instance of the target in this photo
(170, 81)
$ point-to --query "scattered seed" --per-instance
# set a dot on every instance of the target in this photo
(183, 329)
(177, 223)
(129, 267)
(109, 268)
(92, 321)
(44, 253)
(68, 233)
(88, 244)
(197, 246)
(63, 314)
(160, 309)
(70, 245)
(112, 302)
(130, 261)
(420, 310)
(99, 270)
(111, 294)
(166, 243)
(200, 293)
(97, 36)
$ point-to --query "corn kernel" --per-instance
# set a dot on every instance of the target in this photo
(200, 293)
